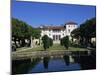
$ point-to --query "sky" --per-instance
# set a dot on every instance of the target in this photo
(36, 13)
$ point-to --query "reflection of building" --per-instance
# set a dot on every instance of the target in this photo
(58, 32)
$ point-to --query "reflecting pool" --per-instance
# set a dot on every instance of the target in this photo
(54, 64)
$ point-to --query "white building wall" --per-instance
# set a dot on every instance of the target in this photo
(63, 33)
(70, 28)
(46, 32)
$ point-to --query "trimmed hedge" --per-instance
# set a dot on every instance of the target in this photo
(47, 42)
(65, 42)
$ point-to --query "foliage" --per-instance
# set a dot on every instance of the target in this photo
(51, 41)
(75, 33)
(61, 41)
(22, 31)
(65, 42)
(85, 32)
(36, 33)
(47, 42)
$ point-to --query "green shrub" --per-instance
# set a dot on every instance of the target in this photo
(51, 41)
(61, 42)
(47, 42)
(65, 42)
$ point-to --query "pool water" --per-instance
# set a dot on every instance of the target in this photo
(48, 64)
(55, 65)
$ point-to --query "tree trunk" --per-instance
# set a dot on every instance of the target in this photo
(23, 42)
(15, 41)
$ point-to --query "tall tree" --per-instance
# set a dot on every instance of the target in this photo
(85, 32)
(21, 31)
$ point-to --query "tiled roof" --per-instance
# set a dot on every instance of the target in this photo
(57, 27)
(53, 27)
(71, 22)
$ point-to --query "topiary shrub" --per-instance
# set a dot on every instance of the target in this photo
(45, 41)
(65, 42)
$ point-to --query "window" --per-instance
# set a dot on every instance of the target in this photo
(56, 30)
(53, 37)
(59, 37)
(56, 37)
(69, 30)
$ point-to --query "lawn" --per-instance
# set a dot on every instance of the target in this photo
(77, 49)
(54, 47)
(57, 47)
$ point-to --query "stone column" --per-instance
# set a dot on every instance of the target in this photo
(31, 42)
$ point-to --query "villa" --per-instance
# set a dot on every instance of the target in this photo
(58, 32)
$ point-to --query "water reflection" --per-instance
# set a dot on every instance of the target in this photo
(88, 62)
(66, 59)
(45, 62)
(68, 63)
(76, 59)
(23, 66)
